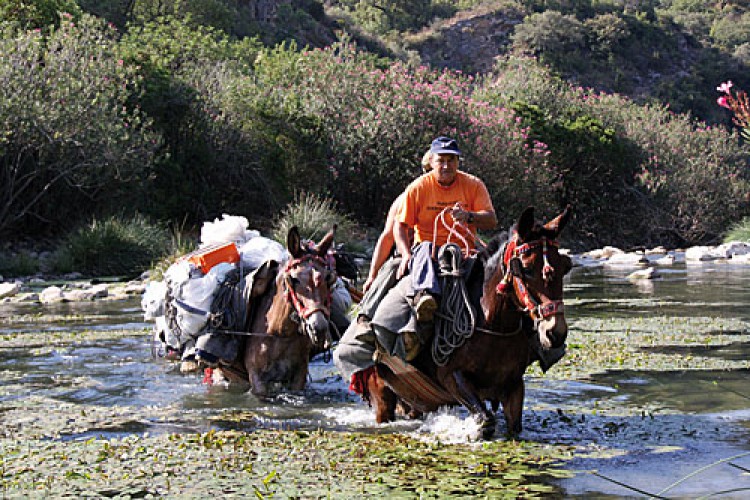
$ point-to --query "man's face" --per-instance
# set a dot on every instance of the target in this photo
(444, 168)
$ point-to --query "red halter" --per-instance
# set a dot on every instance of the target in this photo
(302, 311)
(535, 309)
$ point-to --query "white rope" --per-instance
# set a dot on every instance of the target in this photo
(457, 317)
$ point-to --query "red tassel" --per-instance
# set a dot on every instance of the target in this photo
(503, 287)
(358, 384)
(208, 376)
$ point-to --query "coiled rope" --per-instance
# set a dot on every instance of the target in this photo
(457, 318)
(228, 308)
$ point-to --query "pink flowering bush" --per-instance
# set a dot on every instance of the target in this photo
(378, 121)
(739, 104)
(638, 174)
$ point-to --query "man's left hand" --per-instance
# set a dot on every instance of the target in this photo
(459, 214)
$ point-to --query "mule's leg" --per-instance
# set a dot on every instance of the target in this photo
(513, 407)
(299, 377)
(408, 410)
(382, 398)
(257, 386)
(464, 391)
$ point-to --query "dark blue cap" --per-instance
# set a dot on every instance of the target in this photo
(445, 145)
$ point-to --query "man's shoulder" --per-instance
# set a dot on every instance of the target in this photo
(419, 183)
(470, 178)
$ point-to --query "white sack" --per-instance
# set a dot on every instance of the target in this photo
(231, 228)
(153, 299)
(258, 250)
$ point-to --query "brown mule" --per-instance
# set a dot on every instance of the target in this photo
(289, 322)
(523, 317)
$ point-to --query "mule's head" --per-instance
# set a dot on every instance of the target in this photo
(534, 273)
(308, 281)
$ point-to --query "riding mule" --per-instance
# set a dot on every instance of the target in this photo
(288, 322)
(523, 319)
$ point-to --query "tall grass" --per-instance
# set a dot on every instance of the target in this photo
(314, 215)
(739, 232)
(114, 246)
(18, 264)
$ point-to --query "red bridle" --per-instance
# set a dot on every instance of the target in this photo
(536, 310)
(291, 295)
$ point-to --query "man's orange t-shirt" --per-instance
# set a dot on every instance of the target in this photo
(426, 198)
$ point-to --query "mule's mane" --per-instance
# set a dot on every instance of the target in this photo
(493, 255)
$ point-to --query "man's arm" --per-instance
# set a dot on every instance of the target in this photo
(384, 243)
(401, 234)
(482, 219)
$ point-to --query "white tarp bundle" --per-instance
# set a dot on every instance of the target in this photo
(228, 229)
(180, 305)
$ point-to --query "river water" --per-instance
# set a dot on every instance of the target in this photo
(636, 430)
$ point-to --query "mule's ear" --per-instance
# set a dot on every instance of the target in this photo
(325, 243)
(525, 223)
(556, 225)
(294, 242)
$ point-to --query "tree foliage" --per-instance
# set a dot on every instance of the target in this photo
(69, 132)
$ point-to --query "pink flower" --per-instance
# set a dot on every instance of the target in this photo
(724, 87)
(722, 101)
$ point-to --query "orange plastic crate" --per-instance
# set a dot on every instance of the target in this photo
(206, 258)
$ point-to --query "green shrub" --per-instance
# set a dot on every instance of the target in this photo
(36, 14)
(114, 246)
(18, 264)
(739, 231)
(550, 33)
(637, 174)
(314, 216)
(731, 30)
(695, 175)
(212, 158)
(181, 243)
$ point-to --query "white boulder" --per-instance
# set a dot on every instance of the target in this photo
(728, 250)
(626, 259)
(700, 253)
(664, 260)
(51, 295)
(92, 293)
(9, 289)
(644, 274)
(603, 253)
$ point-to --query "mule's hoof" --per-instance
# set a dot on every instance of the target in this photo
(486, 426)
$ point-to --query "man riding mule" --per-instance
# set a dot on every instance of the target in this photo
(522, 320)
(442, 191)
(474, 357)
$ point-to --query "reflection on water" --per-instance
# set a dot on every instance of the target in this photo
(711, 289)
(691, 411)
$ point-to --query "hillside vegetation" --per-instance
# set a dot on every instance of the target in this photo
(185, 112)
